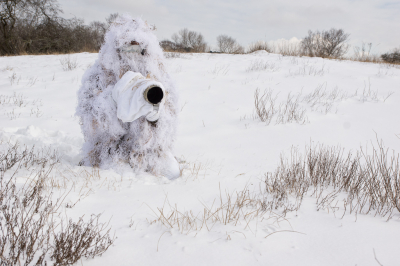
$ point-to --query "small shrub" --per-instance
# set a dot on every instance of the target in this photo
(326, 44)
(259, 46)
(393, 57)
(28, 216)
(288, 111)
(69, 63)
(236, 208)
(187, 41)
(169, 46)
(80, 239)
(229, 45)
(264, 105)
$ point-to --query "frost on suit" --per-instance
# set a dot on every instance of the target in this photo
(146, 146)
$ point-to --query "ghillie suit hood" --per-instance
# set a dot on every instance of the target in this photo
(108, 140)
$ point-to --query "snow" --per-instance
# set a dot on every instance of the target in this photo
(223, 150)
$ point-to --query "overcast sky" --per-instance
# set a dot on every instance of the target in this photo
(247, 21)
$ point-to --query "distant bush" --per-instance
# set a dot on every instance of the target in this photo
(229, 45)
(393, 57)
(259, 46)
(169, 46)
(325, 44)
(185, 41)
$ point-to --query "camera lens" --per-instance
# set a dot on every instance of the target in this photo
(155, 95)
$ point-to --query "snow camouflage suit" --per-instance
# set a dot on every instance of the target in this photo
(109, 141)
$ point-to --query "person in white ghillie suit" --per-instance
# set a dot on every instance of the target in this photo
(128, 103)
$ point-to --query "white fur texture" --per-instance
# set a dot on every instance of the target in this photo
(109, 141)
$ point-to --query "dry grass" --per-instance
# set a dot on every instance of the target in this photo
(239, 209)
(322, 100)
(18, 100)
(260, 65)
(7, 68)
(309, 70)
(288, 111)
(371, 182)
(220, 70)
(15, 104)
(342, 183)
(197, 169)
(82, 180)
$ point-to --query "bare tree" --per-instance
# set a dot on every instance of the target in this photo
(229, 45)
(189, 41)
(14, 13)
(332, 43)
(111, 18)
(98, 29)
(197, 42)
(182, 38)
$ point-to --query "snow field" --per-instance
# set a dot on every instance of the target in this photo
(224, 149)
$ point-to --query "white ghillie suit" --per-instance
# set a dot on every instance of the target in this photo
(106, 97)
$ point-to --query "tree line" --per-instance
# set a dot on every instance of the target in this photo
(36, 27)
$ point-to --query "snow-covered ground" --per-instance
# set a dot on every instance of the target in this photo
(223, 149)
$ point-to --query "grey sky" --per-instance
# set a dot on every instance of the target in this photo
(251, 20)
